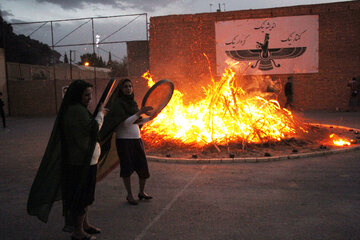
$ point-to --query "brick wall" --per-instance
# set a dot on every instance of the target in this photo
(177, 44)
(138, 57)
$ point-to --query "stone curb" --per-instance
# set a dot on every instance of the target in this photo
(258, 159)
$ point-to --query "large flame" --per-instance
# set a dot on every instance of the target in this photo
(226, 114)
(148, 76)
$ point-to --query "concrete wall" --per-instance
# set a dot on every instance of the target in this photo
(37, 98)
(32, 92)
(3, 86)
(27, 72)
(177, 44)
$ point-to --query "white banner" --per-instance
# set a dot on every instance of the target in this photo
(281, 45)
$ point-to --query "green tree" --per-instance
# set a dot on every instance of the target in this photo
(119, 69)
(23, 49)
(109, 60)
(93, 60)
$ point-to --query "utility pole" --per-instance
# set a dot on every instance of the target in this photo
(53, 58)
(70, 65)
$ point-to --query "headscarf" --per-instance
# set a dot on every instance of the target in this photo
(72, 96)
(74, 92)
(47, 185)
(121, 107)
(127, 101)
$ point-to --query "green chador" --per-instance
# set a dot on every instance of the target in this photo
(72, 141)
(121, 107)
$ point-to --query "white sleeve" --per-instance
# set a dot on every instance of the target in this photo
(143, 121)
(131, 119)
(100, 118)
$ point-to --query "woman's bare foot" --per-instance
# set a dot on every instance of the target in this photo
(88, 228)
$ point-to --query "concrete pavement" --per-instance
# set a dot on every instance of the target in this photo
(311, 198)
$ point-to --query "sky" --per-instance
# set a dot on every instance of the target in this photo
(119, 29)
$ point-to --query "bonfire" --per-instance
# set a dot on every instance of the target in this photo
(227, 115)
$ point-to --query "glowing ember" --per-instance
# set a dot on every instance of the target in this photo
(339, 141)
(226, 114)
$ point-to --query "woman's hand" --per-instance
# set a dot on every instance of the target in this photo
(103, 109)
(146, 110)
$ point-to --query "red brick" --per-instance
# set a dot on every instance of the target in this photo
(177, 44)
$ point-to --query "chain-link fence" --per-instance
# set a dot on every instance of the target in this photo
(83, 48)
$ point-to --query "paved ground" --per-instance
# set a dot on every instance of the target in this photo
(314, 198)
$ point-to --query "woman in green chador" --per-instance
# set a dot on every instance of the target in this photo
(68, 169)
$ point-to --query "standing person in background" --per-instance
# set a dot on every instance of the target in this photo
(273, 87)
(354, 94)
(68, 169)
(288, 90)
(358, 91)
(124, 119)
(2, 112)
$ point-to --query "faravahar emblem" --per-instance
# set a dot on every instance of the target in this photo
(264, 55)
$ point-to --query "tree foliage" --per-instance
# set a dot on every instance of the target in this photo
(119, 69)
(93, 60)
(109, 60)
(23, 49)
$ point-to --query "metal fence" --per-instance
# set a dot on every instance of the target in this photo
(75, 37)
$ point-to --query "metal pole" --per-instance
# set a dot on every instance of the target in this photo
(93, 43)
(6, 69)
(53, 57)
(147, 39)
(147, 28)
(76, 19)
(70, 66)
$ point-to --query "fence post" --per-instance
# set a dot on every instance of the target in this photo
(53, 57)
